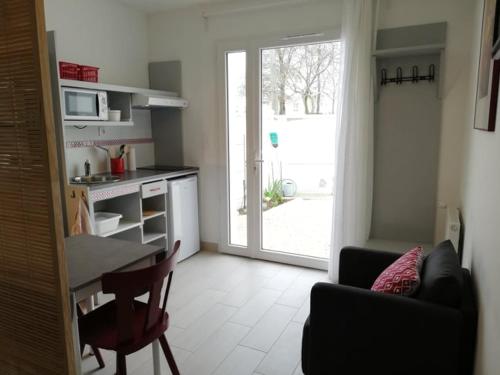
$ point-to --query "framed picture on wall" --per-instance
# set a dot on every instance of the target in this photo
(489, 66)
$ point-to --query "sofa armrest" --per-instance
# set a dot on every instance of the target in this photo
(361, 267)
(357, 331)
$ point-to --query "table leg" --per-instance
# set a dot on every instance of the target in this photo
(156, 358)
(76, 335)
(156, 343)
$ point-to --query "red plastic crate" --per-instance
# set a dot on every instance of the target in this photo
(88, 73)
(68, 70)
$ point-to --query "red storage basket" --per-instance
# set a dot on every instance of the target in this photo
(68, 70)
(88, 73)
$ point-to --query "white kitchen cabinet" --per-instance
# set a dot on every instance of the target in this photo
(150, 211)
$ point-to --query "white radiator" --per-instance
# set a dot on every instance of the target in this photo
(453, 226)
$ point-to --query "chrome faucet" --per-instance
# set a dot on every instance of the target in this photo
(102, 148)
(87, 167)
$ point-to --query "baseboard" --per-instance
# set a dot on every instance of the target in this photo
(209, 246)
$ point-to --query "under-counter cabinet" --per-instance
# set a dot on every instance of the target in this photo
(143, 208)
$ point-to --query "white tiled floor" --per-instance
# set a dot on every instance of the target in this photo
(230, 316)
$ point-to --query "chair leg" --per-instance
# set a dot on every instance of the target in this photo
(95, 350)
(98, 356)
(168, 355)
(121, 364)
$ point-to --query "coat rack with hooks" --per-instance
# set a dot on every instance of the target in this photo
(414, 78)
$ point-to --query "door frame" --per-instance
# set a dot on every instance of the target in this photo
(253, 48)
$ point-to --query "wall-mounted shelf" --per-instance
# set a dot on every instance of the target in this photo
(113, 88)
(427, 49)
(97, 123)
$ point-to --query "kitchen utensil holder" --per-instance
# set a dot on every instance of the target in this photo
(117, 165)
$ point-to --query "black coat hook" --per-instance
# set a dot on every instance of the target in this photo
(414, 74)
(432, 72)
(383, 77)
(399, 75)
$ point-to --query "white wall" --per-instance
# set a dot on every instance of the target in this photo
(113, 37)
(195, 45)
(100, 33)
(456, 69)
(183, 35)
(481, 211)
(469, 175)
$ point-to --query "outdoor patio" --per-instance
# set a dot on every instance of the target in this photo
(300, 226)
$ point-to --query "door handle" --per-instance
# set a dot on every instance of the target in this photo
(257, 161)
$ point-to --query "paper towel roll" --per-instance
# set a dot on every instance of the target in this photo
(131, 159)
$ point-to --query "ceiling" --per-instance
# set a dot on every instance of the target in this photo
(159, 5)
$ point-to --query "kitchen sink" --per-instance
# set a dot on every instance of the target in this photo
(94, 179)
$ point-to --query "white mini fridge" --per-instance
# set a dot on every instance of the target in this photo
(183, 215)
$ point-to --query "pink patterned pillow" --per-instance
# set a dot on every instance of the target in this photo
(403, 276)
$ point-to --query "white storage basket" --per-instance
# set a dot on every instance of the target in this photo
(106, 222)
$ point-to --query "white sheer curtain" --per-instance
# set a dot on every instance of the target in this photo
(354, 133)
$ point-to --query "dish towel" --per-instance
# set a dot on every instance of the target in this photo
(82, 223)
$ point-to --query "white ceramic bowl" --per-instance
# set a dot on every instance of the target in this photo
(114, 115)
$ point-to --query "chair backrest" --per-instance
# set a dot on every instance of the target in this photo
(128, 285)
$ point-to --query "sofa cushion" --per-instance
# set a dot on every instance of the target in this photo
(442, 278)
(403, 276)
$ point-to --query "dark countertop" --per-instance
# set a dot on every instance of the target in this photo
(88, 257)
(140, 175)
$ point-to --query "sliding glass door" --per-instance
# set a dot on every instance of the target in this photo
(279, 130)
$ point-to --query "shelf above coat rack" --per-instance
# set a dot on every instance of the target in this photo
(426, 49)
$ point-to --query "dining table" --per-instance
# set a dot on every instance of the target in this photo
(88, 258)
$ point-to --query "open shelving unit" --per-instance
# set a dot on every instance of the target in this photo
(150, 214)
(150, 237)
(119, 98)
(123, 226)
(143, 208)
(154, 219)
(129, 225)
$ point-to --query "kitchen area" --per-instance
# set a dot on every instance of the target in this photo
(121, 158)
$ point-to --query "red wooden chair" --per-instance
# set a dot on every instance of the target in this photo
(126, 325)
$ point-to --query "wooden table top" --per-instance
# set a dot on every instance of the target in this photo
(88, 257)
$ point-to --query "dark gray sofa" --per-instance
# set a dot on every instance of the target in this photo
(352, 330)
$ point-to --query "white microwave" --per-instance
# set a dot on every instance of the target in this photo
(82, 104)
